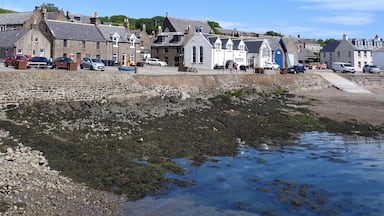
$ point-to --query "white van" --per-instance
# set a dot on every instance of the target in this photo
(343, 67)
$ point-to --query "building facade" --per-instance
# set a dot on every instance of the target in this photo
(358, 52)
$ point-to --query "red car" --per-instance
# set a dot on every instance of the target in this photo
(11, 60)
(61, 62)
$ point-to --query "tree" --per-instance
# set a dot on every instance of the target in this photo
(49, 7)
(215, 27)
(326, 42)
(272, 33)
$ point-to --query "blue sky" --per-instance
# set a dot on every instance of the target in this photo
(317, 19)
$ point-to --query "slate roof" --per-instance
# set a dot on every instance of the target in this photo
(107, 31)
(273, 41)
(236, 43)
(253, 46)
(14, 18)
(212, 39)
(74, 31)
(169, 39)
(9, 38)
(181, 25)
(331, 46)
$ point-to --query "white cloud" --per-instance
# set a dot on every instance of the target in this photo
(352, 19)
(344, 5)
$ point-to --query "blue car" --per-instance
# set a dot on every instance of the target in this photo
(299, 68)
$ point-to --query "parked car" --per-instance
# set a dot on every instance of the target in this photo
(155, 61)
(39, 62)
(298, 68)
(61, 63)
(92, 64)
(272, 66)
(11, 59)
(343, 67)
(371, 69)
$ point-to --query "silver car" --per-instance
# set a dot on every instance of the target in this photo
(155, 61)
(92, 64)
(371, 69)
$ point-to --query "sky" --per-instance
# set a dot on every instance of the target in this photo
(312, 19)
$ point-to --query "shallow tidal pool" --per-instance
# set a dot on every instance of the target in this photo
(323, 174)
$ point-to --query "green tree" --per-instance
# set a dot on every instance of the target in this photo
(272, 33)
(50, 7)
(215, 27)
(326, 42)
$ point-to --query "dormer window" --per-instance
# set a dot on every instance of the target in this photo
(218, 46)
(241, 47)
(115, 39)
(229, 46)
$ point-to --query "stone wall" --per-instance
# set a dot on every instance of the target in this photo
(31, 86)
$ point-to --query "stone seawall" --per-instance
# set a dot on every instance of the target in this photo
(31, 86)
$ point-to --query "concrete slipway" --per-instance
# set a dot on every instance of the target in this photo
(343, 84)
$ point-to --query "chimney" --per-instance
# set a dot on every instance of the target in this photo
(44, 13)
(126, 23)
(345, 37)
(159, 30)
(94, 19)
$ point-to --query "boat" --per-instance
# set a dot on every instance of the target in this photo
(126, 69)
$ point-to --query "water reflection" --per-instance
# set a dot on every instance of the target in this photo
(324, 174)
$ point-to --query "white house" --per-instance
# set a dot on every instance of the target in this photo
(259, 53)
(378, 57)
(358, 52)
(207, 51)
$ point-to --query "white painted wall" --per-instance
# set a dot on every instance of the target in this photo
(198, 40)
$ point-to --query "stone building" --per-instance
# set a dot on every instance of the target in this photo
(358, 52)
(31, 42)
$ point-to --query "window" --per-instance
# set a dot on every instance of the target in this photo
(201, 54)
(65, 55)
(229, 46)
(178, 50)
(350, 54)
(166, 50)
(365, 53)
(65, 43)
(218, 46)
(338, 54)
(115, 39)
(359, 53)
(83, 44)
(97, 45)
(241, 47)
(359, 64)
(194, 54)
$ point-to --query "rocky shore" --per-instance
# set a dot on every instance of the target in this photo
(90, 157)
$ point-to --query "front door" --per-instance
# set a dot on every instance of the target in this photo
(279, 58)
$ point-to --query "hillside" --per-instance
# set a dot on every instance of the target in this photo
(5, 11)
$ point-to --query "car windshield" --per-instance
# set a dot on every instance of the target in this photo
(347, 65)
(373, 66)
(96, 60)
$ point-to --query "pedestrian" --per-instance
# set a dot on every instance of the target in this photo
(235, 66)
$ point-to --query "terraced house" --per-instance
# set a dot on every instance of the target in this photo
(358, 52)
(58, 35)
